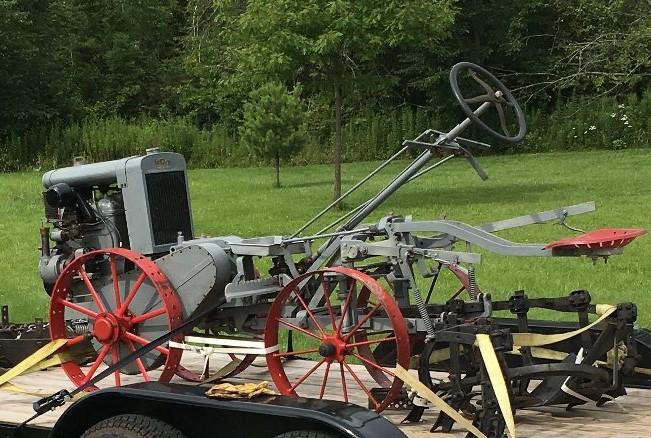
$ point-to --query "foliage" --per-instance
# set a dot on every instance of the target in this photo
(274, 124)
(370, 133)
(331, 45)
(140, 70)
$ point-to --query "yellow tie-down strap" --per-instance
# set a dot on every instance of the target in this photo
(44, 357)
(537, 340)
(483, 341)
(437, 401)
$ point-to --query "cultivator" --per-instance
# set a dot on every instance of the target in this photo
(127, 267)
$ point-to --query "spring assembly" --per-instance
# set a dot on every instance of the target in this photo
(422, 309)
(472, 283)
(80, 327)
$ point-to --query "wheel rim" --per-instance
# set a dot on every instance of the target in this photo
(195, 377)
(121, 318)
(332, 343)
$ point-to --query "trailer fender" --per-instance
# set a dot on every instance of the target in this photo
(189, 410)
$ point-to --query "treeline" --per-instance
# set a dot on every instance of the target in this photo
(107, 78)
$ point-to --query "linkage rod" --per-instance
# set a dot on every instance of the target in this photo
(409, 172)
(341, 218)
(323, 236)
(351, 190)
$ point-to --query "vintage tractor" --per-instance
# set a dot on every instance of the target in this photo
(123, 266)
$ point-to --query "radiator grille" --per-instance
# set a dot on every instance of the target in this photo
(168, 206)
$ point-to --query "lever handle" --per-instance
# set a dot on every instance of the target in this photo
(50, 402)
(475, 165)
(465, 141)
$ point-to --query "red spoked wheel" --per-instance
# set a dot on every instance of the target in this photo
(124, 310)
(337, 344)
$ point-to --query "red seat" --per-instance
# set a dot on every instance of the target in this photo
(604, 238)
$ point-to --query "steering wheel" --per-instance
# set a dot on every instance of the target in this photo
(499, 98)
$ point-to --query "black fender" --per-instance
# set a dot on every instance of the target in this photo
(187, 408)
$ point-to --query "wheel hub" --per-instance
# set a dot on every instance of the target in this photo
(333, 348)
(106, 328)
(109, 328)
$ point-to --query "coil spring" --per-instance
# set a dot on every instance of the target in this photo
(80, 327)
(422, 309)
(472, 283)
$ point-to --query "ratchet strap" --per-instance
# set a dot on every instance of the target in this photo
(60, 398)
(537, 340)
(40, 359)
(437, 401)
(496, 377)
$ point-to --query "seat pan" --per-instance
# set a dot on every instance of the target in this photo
(603, 238)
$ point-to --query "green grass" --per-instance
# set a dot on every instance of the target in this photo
(243, 202)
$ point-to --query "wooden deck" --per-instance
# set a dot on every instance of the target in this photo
(629, 416)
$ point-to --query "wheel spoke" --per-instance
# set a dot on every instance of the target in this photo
(325, 380)
(309, 312)
(149, 315)
(344, 310)
(74, 341)
(361, 385)
(343, 381)
(326, 294)
(132, 294)
(371, 342)
(362, 321)
(142, 341)
(297, 328)
(139, 363)
(115, 358)
(91, 289)
(373, 364)
(479, 99)
(78, 308)
(502, 117)
(308, 374)
(116, 284)
(295, 353)
(98, 361)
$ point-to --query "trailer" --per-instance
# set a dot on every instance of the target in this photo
(628, 417)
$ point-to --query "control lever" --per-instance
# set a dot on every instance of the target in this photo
(464, 141)
(456, 149)
(475, 164)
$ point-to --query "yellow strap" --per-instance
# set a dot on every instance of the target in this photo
(436, 357)
(496, 377)
(537, 340)
(543, 353)
(18, 390)
(33, 360)
(437, 401)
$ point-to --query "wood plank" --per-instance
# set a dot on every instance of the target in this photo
(628, 416)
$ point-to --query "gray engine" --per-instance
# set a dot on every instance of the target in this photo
(140, 203)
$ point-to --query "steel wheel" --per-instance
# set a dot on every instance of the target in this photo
(123, 310)
(324, 335)
(195, 377)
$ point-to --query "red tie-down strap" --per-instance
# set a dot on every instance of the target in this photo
(604, 238)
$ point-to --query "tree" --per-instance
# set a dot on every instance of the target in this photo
(274, 124)
(329, 45)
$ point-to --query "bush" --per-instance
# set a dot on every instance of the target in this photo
(369, 134)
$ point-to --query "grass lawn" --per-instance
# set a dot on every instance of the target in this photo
(243, 202)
